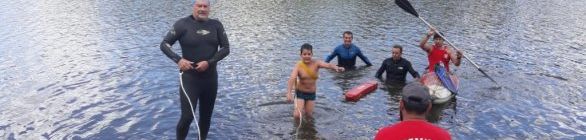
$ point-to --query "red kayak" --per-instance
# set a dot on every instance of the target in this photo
(359, 91)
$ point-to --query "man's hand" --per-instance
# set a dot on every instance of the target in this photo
(339, 69)
(289, 97)
(431, 32)
(184, 64)
(202, 66)
(459, 54)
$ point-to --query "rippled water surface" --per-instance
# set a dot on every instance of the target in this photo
(93, 69)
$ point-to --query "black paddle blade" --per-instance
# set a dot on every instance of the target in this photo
(405, 5)
(482, 71)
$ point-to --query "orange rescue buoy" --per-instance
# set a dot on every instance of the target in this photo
(359, 91)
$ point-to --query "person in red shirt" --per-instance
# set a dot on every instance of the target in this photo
(438, 52)
(414, 105)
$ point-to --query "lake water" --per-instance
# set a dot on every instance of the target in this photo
(93, 69)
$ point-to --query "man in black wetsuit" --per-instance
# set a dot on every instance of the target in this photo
(396, 68)
(199, 38)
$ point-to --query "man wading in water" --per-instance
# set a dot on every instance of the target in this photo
(199, 38)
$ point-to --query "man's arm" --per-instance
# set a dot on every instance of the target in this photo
(224, 45)
(456, 57)
(423, 44)
(323, 64)
(170, 39)
(411, 70)
(331, 56)
(380, 71)
(364, 58)
(172, 36)
(291, 82)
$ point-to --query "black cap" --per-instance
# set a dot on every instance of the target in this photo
(416, 97)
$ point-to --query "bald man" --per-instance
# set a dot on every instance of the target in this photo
(203, 43)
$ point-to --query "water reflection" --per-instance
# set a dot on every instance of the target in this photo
(394, 96)
(351, 77)
(91, 69)
(274, 117)
(437, 112)
(305, 129)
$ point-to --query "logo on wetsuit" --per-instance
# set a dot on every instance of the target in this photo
(203, 32)
(352, 53)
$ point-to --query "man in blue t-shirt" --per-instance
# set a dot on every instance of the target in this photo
(347, 53)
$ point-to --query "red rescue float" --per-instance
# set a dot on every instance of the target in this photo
(359, 91)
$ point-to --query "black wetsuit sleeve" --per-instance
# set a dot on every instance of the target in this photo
(380, 71)
(411, 70)
(170, 39)
(224, 45)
